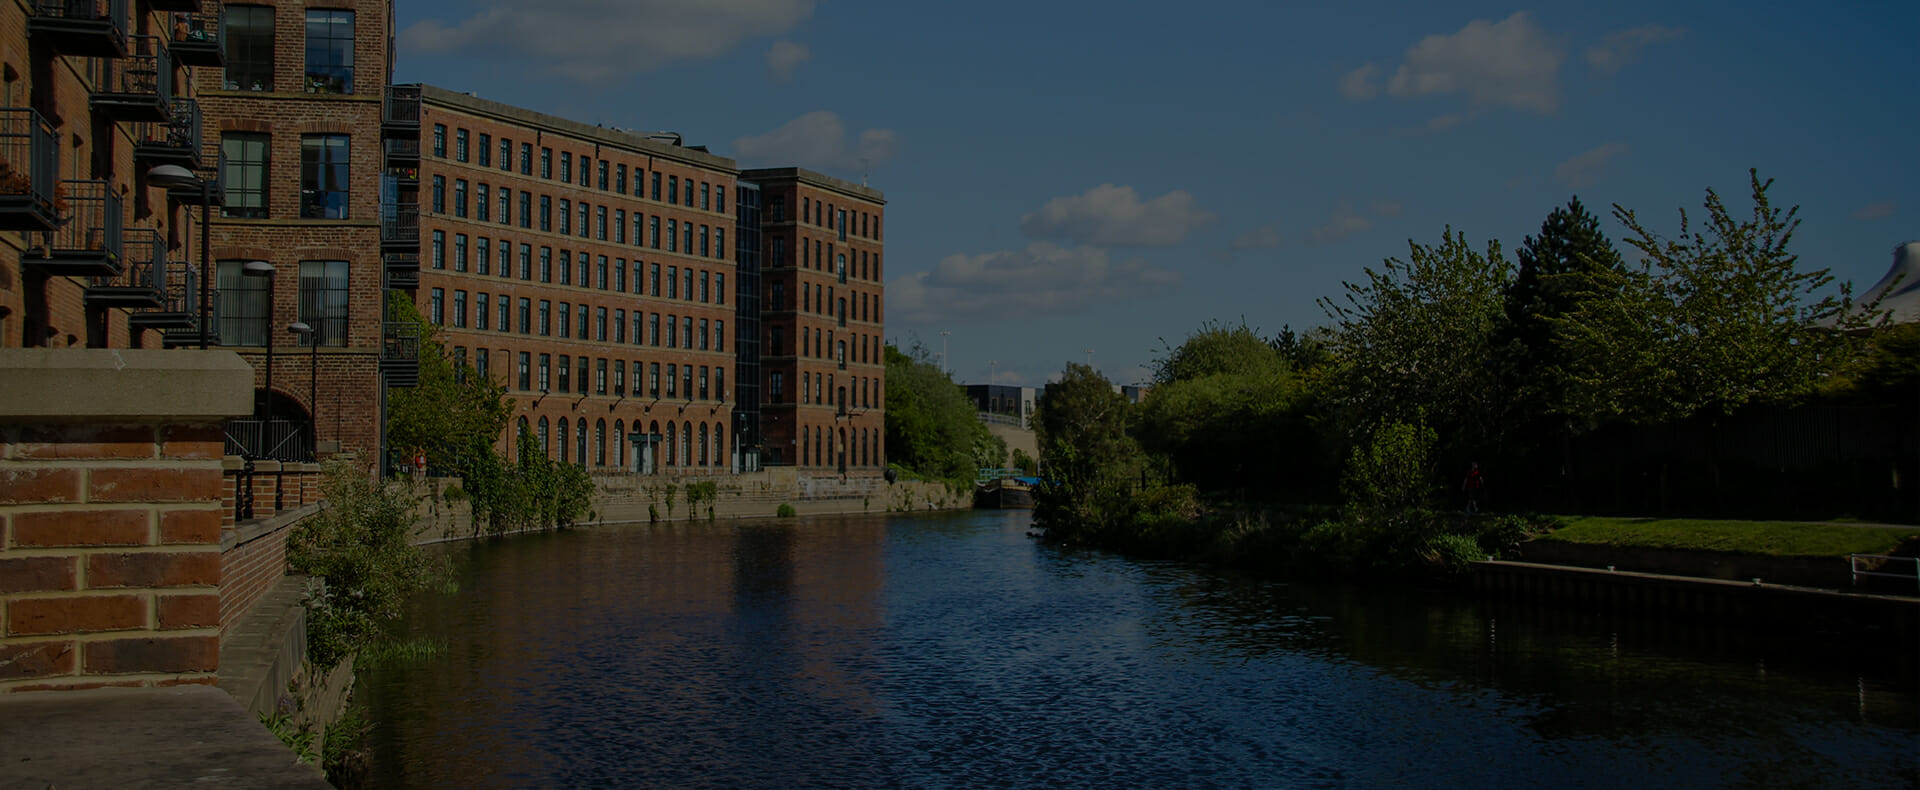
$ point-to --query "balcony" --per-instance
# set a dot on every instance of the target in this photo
(403, 270)
(400, 353)
(137, 87)
(87, 241)
(403, 152)
(400, 111)
(174, 5)
(90, 28)
(175, 141)
(29, 163)
(182, 334)
(196, 36)
(400, 227)
(139, 284)
(216, 187)
(179, 302)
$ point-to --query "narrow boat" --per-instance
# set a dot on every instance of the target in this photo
(1005, 492)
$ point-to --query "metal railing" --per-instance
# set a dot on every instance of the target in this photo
(1875, 566)
(29, 163)
(197, 30)
(144, 76)
(276, 439)
(400, 108)
(404, 149)
(180, 132)
(93, 221)
(400, 223)
(400, 342)
(146, 258)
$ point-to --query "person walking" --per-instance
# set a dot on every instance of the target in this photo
(1472, 486)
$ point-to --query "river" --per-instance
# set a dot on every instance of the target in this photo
(952, 651)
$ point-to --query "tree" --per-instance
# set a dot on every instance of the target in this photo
(1418, 337)
(1711, 320)
(931, 427)
(1558, 270)
(1088, 463)
(454, 415)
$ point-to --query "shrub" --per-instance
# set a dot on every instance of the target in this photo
(359, 547)
(785, 511)
(1454, 553)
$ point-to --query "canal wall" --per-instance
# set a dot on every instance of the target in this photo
(1828, 572)
(1894, 620)
(625, 498)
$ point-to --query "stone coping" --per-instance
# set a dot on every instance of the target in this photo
(249, 531)
(96, 385)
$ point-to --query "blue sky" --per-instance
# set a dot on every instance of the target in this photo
(1066, 177)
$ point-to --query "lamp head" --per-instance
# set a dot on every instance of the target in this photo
(173, 176)
(257, 269)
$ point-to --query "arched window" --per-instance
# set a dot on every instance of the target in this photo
(819, 448)
(670, 445)
(580, 441)
(653, 447)
(600, 442)
(686, 442)
(703, 445)
(840, 451)
(719, 446)
(545, 449)
(802, 460)
(620, 442)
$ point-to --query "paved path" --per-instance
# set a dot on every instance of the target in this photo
(185, 736)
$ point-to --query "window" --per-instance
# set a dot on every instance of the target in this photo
(603, 174)
(600, 222)
(566, 216)
(719, 335)
(720, 288)
(720, 196)
(482, 203)
(323, 300)
(842, 222)
(720, 243)
(459, 145)
(777, 209)
(619, 226)
(566, 168)
(330, 51)
(776, 385)
(653, 329)
(599, 377)
(619, 326)
(673, 189)
(480, 362)
(486, 150)
(526, 316)
(506, 206)
(703, 334)
(775, 342)
(437, 252)
(506, 154)
(686, 331)
(705, 394)
(437, 195)
(526, 159)
(673, 335)
(526, 209)
(546, 376)
(437, 307)
(653, 379)
(566, 320)
(656, 187)
(546, 212)
(440, 140)
(459, 197)
(526, 262)
(586, 168)
(582, 323)
(620, 377)
(686, 233)
(673, 235)
(525, 373)
(620, 179)
(546, 162)
(246, 176)
(459, 252)
(249, 34)
(482, 255)
(482, 311)
(777, 299)
(620, 274)
(600, 271)
(673, 380)
(546, 318)
(653, 228)
(705, 287)
(706, 197)
(459, 309)
(705, 251)
(720, 384)
(504, 323)
(323, 176)
(566, 373)
(543, 433)
(656, 281)
(673, 282)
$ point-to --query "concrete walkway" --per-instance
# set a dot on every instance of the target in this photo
(185, 736)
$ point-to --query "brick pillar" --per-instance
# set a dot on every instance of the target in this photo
(110, 515)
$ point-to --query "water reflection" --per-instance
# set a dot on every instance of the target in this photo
(950, 651)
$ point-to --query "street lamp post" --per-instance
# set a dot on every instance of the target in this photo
(171, 176)
(946, 363)
(307, 333)
(264, 269)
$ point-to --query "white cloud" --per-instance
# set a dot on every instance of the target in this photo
(818, 140)
(603, 40)
(1042, 278)
(1114, 215)
(1264, 237)
(1358, 83)
(1622, 47)
(1511, 63)
(1876, 210)
(1589, 168)
(1348, 220)
(784, 58)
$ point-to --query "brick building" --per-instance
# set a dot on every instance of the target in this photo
(261, 112)
(606, 277)
(823, 372)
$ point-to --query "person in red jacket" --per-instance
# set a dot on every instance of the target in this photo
(1472, 486)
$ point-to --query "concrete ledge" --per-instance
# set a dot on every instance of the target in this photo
(186, 736)
(249, 531)
(91, 385)
(260, 654)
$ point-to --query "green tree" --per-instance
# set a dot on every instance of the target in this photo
(1715, 318)
(1419, 337)
(1226, 412)
(1088, 462)
(360, 544)
(455, 414)
(1557, 273)
(932, 428)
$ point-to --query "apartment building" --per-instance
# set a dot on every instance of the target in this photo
(185, 173)
(593, 272)
(823, 321)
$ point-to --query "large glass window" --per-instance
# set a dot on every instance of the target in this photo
(246, 176)
(249, 33)
(329, 51)
(323, 176)
(243, 305)
(323, 300)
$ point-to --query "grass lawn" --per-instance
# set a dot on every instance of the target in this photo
(1775, 538)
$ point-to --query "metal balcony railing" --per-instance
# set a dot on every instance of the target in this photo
(92, 28)
(400, 225)
(138, 284)
(29, 163)
(187, 333)
(400, 109)
(400, 353)
(403, 151)
(135, 87)
(179, 284)
(174, 141)
(275, 440)
(403, 269)
(197, 36)
(88, 238)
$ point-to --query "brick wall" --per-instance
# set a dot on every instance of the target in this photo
(253, 554)
(110, 515)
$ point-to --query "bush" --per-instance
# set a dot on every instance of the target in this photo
(785, 511)
(359, 547)
(1454, 553)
